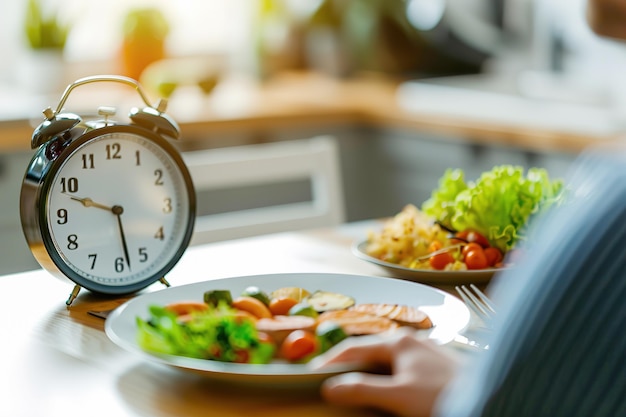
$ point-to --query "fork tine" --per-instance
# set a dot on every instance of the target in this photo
(475, 303)
(486, 301)
(468, 302)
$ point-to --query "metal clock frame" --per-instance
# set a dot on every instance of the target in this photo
(49, 159)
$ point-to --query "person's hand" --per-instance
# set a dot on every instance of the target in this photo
(607, 17)
(419, 370)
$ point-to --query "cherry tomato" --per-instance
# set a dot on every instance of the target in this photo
(242, 356)
(494, 256)
(440, 260)
(476, 259)
(459, 237)
(470, 247)
(434, 246)
(462, 234)
(298, 344)
(474, 236)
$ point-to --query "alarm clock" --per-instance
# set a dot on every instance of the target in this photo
(108, 205)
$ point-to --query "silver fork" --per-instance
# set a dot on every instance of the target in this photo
(478, 302)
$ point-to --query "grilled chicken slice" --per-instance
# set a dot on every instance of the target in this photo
(404, 315)
(356, 323)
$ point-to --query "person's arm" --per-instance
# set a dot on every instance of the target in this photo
(607, 18)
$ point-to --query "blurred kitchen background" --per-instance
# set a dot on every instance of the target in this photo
(405, 88)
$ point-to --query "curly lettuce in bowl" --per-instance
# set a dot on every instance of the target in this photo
(498, 205)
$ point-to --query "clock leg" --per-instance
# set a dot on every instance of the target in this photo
(164, 282)
(73, 295)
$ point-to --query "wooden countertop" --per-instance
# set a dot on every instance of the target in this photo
(304, 100)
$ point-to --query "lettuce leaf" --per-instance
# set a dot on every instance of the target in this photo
(442, 203)
(498, 205)
(218, 334)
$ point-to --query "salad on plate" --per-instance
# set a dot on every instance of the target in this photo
(288, 325)
(466, 225)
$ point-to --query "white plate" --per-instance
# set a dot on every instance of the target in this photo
(428, 276)
(448, 314)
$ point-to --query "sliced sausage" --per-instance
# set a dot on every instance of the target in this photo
(404, 315)
(356, 323)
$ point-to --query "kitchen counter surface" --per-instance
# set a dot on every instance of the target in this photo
(304, 100)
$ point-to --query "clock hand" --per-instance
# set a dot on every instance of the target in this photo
(118, 210)
(88, 202)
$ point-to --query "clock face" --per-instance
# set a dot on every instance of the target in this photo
(118, 211)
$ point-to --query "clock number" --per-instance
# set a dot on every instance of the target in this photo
(159, 177)
(113, 151)
(143, 255)
(87, 161)
(69, 185)
(159, 234)
(137, 158)
(168, 205)
(72, 242)
(119, 264)
(93, 257)
(62, 216)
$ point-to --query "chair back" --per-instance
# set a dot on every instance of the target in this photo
(313, 161)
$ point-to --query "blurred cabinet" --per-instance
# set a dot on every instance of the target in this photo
(15, 256)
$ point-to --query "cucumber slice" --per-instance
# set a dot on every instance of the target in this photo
(303, 309)
(213, 297)
(325, 301)
(329, 334)
(256, 292)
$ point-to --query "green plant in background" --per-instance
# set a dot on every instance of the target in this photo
(44, 31)
(373, 34)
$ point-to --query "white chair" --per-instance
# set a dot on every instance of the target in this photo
(315, 159)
